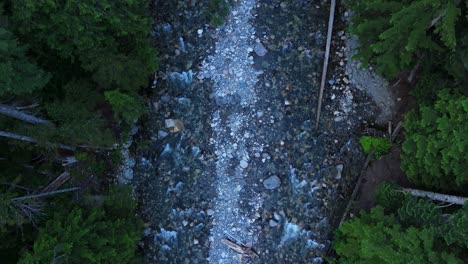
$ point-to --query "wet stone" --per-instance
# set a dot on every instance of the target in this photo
(272, 182)
(243, 164)
(272, 223)
(162, 134)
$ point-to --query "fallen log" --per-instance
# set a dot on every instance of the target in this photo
(356, 188)
(325, 61)
(14, 113)
(248, 251)
(435, 196)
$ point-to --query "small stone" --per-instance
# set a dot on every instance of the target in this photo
(184, 222)
(272, 182)
(259, 114)
(345, 80)
(147, 232)
(162, 134)
(339, 169)
(200, 31)
(260, 50)
(195, 242)
(133, 131)
(174, 125)
(243, 164)
(210, 212)
(272, 223)
(165, 99)
(177, 52)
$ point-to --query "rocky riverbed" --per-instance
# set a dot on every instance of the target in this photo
(228, 150)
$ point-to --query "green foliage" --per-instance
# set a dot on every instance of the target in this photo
(395, 35)
(435, 149)
(110, 39)
(377, 238)
(381, 145)
(418, 212)
(94, 235)
(18, 75)
(78, 121)
(217, 11)
(455, 230)
(388, 196)
(125, 106)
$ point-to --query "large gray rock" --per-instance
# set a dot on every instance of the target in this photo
(272, 182)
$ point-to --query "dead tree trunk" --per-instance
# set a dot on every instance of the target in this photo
(325, 61)
(14, 113)
(436, 196)
(44, 194)
(32, 140)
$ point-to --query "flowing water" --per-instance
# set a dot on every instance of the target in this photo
(248, 166)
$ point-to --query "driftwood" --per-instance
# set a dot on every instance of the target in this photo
(356, 188)
(241, 249)
(435, 196)
(325, 62)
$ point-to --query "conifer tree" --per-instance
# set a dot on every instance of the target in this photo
(94, 235)
(435, 148)
(378, 238)
(395, 35)
(18, 75)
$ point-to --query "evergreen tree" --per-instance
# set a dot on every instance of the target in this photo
(109, 39)
(395, 35)
(95, 235)
(377, 238)
(18, 75)
(435, 148)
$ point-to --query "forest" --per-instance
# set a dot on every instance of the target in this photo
(427, 40)
(71, 73)
(72, 80)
